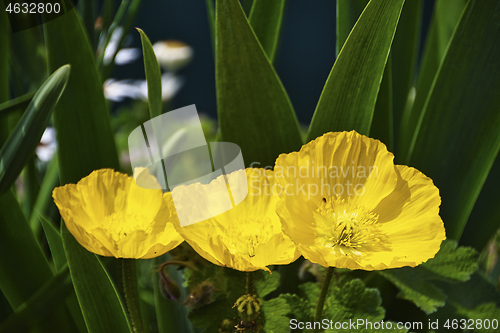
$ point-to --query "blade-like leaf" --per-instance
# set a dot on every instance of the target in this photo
(445, 18)
(28, 132)
(153, 76)
(85, 140)
(348, 12)
(404, 55)
(266, 18)
(4, 72)
(382, 124)
(41, 304)
(17, 104)
(44, 198)
(97, 295)
(211, 20)
(348, 98)
(55, 242)
(254, 109)
(459, 131)
(25, 269)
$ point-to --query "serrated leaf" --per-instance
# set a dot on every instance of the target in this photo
(451, 264)
(275, 313)
(250, 97)
(348, 98)
(153, 76)
(266, 18)
(481, 314)
(24, 139)
(266, 283)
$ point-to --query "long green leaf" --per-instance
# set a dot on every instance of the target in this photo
(26, 136)
(445, 18)
(459, 131)
(211, 20)
(41, 304)
(81, 119)
(153, 76)
(96, 294)
(348, 12)
(266, 18)
(55, 242)
(4, 72)
(17, 104)
(254, 109)
(44, 198)
(404, 55)
(348, 98)
(25, 269)
(382, 124)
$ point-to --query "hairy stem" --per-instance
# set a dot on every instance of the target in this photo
(131, 292)
(324, 292)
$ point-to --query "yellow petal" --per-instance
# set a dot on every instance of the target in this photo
(110, 215)
(247, 237)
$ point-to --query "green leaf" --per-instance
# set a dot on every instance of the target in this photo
(25, 269)
(55, 242)
(266, 18)
(4, 72)
(404, 56)
(445, 18)
(17, 104)
(275, 313)
(382, 123)
(98, 298)
(254, 109)
(350, 93)
(451, 264)
(171, 315)
(348, 12)
(153, 76)
(26, 136)
(41, 304)
(211, 20)
(44, 198)
(85, 140)
(266, 283)
(483, 313)
(459, 154)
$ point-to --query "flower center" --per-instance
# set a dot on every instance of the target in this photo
(346, 228)
(244, 235)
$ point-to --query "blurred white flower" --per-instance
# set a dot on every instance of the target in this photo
(112, 46)
(47, 146)
(172, 55)
(138, 89)
(127, 55)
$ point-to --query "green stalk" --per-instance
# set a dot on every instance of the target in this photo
(131, 292)
(324, 292)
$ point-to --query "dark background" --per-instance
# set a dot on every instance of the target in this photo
(305, 56)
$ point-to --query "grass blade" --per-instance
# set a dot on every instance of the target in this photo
(459, 154)
(348, 12)
(350, 93)
(28, 132)
(251, 99)
(445, 18)
(153, 76)
(266, 18)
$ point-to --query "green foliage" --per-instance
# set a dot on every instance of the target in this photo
(440, 151)
(254, 109)
(266, 18)
(153, 76)
(451, 264)
(348, 98)
(26, 136)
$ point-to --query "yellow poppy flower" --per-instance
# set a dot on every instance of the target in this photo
(247, 237)
(345, 204)
(110, 215)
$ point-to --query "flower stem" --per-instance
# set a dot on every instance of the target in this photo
(250, 283)
(324, 292)
(131, 292)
